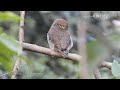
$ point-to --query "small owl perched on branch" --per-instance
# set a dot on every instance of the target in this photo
(59, 38)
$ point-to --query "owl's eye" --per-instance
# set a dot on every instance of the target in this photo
(60, 25)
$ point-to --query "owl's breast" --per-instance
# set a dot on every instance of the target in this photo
(61, 39)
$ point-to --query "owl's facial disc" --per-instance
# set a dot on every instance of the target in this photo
(61, 26)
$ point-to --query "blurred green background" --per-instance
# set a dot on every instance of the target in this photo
(102, 43)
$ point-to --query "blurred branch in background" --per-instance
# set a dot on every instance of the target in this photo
(97, 31)
(81, 44)
(105, 64)
(97, 73)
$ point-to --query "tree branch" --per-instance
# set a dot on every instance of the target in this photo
(96, 70)
(21, 39)
(47, 51)
(73, 57)
(97, 73)
(106, 64)
(21, 31)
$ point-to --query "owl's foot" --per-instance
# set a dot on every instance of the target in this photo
(65, 55)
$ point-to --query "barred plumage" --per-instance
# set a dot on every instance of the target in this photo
(59, 38)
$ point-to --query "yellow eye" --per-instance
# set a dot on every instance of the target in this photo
(60, 25)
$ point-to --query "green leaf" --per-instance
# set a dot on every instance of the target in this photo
(10, 42)
(116, 69)
(1, 30)
(9, 47)
(9, 16)
(6, 57)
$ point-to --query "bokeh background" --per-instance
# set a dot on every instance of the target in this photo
(95, 34)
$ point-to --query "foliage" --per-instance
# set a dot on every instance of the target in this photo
(94, 50)
(9, 52)
(116, 69)
(9, 48)
(8, 16)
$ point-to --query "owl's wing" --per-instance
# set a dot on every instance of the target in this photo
(67, 43)
(51, 44)
(53, 41)
(70, 45)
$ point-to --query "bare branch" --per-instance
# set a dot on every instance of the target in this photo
(97, 73)
(21, 31)
(21, 39)
(73, 57)
(47, 51)
(106, 64)
(103, 64)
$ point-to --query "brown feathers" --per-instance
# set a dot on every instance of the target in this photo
(59, 38)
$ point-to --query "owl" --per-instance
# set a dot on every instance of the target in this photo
(59, 38)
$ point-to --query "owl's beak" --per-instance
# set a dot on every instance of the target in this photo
(63, 27)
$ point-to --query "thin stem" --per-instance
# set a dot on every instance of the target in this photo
(21, 39)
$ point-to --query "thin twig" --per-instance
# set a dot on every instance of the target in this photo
(106, 64)
(21, 39)
(97, 74)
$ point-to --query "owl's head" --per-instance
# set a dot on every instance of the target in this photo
(61, 24)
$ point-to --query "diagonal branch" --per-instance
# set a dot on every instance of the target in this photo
(106, 64)
(47, 51)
